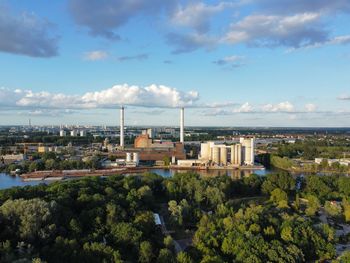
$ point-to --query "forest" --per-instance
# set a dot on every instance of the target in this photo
(111, 219)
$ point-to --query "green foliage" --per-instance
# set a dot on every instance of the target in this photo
(313, 205)
(279, 197)
(262, 234)
(28, 218)
(165, 256)
(333, 209)
(111, 219)
(346, 207)
(281, 162)
(283, 181)
(145, 252)
(183, 257)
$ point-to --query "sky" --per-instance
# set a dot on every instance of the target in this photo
(266, 63)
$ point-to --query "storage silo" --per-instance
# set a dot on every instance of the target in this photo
(205, 151)
(128, 157)
(223, 155)
(136, 158)
(216, 154)
(238, 154)
(232, 159)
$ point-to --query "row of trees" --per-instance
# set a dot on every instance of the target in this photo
(52, 161)
(311, 148)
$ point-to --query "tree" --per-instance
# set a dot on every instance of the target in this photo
(332, 209)
(324, 164)
(346, 207)
(344, 185)
(284, 181)
(183, 257)
(165, 256)
(169, 243)
(166, 160)
(279, 197)
(33, 166)
(312, 206)
(145, 252)
(50, 164)
(30, 218)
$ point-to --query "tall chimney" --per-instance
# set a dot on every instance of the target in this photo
(122, 126)
(182, 125)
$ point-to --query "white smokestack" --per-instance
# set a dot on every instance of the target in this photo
(182, 125)
(122, 126)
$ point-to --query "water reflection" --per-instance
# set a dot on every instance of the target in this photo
(7, 181)
(234, 174)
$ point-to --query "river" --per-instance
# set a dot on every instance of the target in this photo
(7, 181)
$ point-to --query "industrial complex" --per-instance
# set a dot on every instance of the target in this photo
(147, 149)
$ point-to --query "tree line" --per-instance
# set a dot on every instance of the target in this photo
(253, 219)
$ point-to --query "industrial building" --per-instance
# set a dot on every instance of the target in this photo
(149, 149)
(238, 154)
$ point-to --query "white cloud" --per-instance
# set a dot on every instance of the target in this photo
(343, 97)
(310, 107)
(279, 108)
(244, 108)
(273, 30)
(338, 40)
(150, 96)
(197, 15)
(95, 55)
(285, 106)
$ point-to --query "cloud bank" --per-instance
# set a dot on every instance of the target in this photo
(149, 96)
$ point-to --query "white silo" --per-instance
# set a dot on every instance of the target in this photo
(223, 155)
(238, 154)
(136, 158)
(232, 155)
(128, 157)
(205, 151)
(248, 145)
(216, 154)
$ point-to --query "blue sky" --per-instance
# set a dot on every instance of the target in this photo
(229, 63)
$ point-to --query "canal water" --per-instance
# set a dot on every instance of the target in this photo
(7, 181)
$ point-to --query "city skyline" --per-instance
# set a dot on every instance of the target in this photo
(229, 63)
